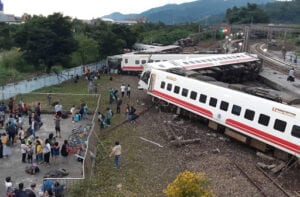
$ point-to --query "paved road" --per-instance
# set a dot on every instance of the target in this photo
(13, 166)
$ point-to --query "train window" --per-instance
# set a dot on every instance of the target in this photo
(224, 105)
(249, 114)
(263, 119)
(157, 60)
(144, 61)
(137, 61)
(213, 102)
(191, 62)
(193, 95)
(169, 87)
(202, 98)
(279, 125)
(236, 110)
(162, 85)
(203, 60)
(176, 89)
(184, 92)
(150, 61)
(126, 61)
(296, 131)
(197, 61)
(185, 62)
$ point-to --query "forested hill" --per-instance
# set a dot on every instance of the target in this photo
(283, 12)
(187, 12)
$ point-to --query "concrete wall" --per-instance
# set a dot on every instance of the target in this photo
(30, 85)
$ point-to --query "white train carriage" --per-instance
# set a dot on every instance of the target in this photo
(270, 122)
(198, 63)
(135, 62)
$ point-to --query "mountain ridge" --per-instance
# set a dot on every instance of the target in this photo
(194, 11)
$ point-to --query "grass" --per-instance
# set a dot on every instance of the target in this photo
(67, 95)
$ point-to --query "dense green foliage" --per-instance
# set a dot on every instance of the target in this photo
(46, 40)
(283, 12)
(164, 34)
(245, 15)
(55, 41)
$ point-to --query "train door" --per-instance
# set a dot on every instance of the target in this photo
(151, 82)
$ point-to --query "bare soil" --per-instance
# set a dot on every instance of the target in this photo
(149, 162)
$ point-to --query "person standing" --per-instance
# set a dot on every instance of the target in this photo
(8, 185)
(128, 90)
(32, 192)
(39, 152)
(38, 110)
(55, 152)
(23, 150)
(291, 76)
(119, 103)
(20, 192)
(57, 119)
(109, 114)
(73, 111)
(46, 152)
(116, 152)
(123, 87)
(29, 152)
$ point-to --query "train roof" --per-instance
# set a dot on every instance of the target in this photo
(204, 61)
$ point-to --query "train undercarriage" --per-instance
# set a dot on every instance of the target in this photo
(258, 145)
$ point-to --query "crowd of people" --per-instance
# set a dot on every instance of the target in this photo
(34, 151)
(130, 112)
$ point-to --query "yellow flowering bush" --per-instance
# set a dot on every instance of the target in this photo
(189, 184)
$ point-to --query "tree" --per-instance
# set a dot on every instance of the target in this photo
(5, 36)
(189, 184)
(47, 40)
(87, 50)
(245, 15)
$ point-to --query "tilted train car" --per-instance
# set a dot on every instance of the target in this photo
(196, 63)
(135, 62)
(272, 123)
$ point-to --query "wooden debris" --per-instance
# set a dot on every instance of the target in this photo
(215, 151)
(151, 142)
(178, 142)
(278, 168)
(266, 166)
(264, 156)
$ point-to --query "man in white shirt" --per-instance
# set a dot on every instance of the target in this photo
(123, 87)
(116, 151)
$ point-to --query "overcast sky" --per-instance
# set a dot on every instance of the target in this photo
(82, 9)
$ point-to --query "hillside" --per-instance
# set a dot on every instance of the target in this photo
(187, 12)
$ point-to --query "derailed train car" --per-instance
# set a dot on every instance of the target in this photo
(252, 118)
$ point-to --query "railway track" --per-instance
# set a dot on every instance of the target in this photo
(271, 62)
(266, 186)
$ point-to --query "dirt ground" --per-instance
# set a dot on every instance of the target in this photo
(13, 167)
(149, 162)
